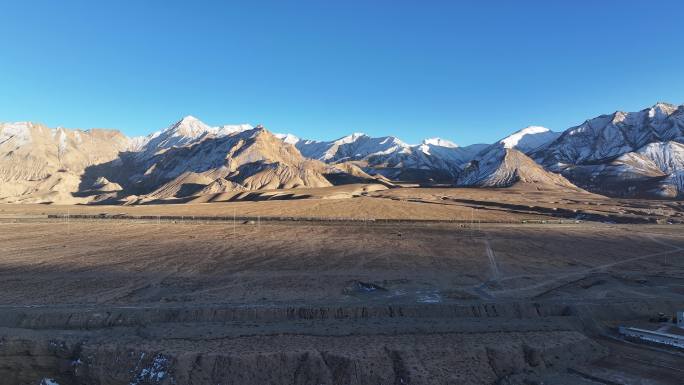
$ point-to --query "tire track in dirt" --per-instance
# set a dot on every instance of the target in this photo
(496, 274)
(590, 270)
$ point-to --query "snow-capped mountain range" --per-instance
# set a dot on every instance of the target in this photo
(621, 154)
(389, 155)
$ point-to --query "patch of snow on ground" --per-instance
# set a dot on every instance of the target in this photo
(432, 296)
(154, 373)
(48, 381)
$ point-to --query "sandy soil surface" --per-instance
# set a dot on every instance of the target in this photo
(190, 302)
(125, 262)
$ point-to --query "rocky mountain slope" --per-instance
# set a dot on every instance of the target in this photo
(40, 164)
(45, 165)
(504, 163)
(625, 154)
(225, 159)
(631, 154)
(506, 167)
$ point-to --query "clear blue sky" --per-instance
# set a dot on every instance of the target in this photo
(470, 71)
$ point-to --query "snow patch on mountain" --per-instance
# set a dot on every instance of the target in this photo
(631, 154)
(351, 138)
(188, 127)
(439, 142)
(351, 147)
(668, 156)
(137, 143)
(61, 138)
(188, 130)
(287, 138)
(230, 129)
(529, 138)
(436, 158)
(19, 133)
(505, 167)
(606, 137)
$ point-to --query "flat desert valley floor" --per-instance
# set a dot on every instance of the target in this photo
(537, 298)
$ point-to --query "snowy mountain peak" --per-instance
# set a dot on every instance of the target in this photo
(287, 138)
(504, 167)
(439, 142)
(619, 117)
(189, 118)
(188, 130)
(230, 129)
(189, 126)
(529, 138)
(661, 110)
(664, 106)
(351, 138)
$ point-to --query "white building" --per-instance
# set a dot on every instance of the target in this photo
(653, 336)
